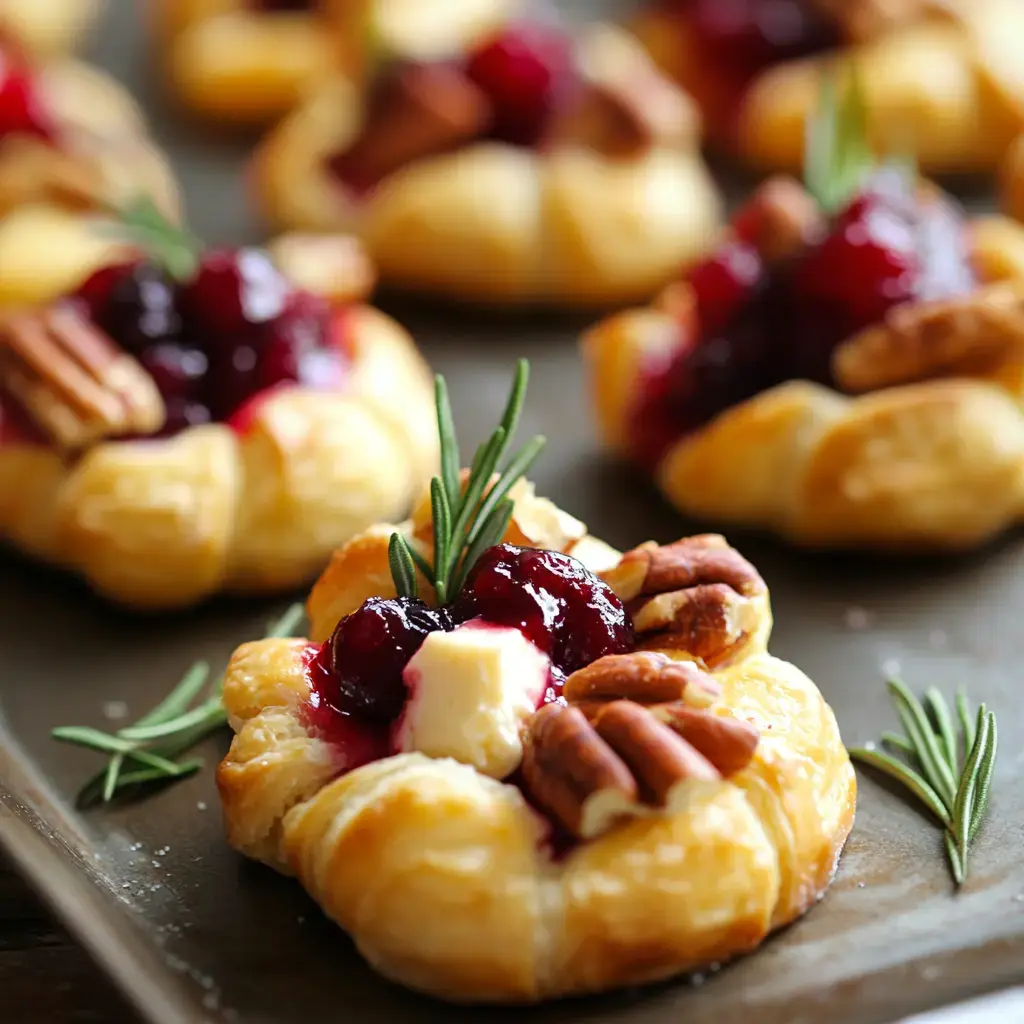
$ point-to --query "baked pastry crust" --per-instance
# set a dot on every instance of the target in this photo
(158, 524)
(48, 193)
(926, 453)
(438, 872)
(230, 62)
(48, 28)
(944, 81)
(498, 224)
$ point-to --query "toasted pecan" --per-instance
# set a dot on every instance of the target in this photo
(783, 218)
(922, 340)
(646, 677)
(73, 380)
(591, 775)
(728, 743)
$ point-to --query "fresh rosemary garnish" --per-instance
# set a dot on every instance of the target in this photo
(953, 788)
(146, 751)
(142, 224)
(466, 521)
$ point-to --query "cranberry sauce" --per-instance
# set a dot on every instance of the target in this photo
(734, 41)
(23, 110)
(757, 326)
(213, 344)
(358, 740)
(524, 75)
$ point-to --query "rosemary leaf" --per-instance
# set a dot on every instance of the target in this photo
(143, 733)
(491, 532)
(907, 776)
(451, 463)
(963, 712)
(403, 569)
(964, 804)
(517, 468)
(943, 720)
(898, 742)
(514, 406)
(478, 481)
(956, 863)
(926, 748)
(985, 772)
(444, 542)
(418, 560)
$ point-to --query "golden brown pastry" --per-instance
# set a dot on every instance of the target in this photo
(535, 171)
(861, 389)
(666, 806)
(250, 61)
(169, 438)
(940, 78)
(48, 28)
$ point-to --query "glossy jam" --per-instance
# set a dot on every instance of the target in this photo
(218, 345)
(757, 327)
(734, 41)
(22, 108)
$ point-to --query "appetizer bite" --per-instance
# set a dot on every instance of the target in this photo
(845, 369)
(48, 28)
(189, 422)
(531, 168)
(941, 76)
(514, 764)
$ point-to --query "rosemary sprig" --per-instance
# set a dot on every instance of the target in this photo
(466, 521)
(142, 224)
(953, 788)
(146, 751)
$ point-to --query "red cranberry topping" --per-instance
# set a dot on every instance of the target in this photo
(736, 40)
(525, 72)
(559, 604)
(22, 110)
(357, 740)
(140, 307)
(758, 328)
(370, 648)
(234, 291)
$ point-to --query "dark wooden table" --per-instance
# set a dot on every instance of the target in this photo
(45, 976)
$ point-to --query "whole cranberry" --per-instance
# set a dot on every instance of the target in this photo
(292, 342)
(177, 371)
(525, 73)
(22, 109)
(370, 648)
(233, 291)
(95, 290)
(559, 604)
(140, 309)
(724, 282)
(233, 377)
(183, 413)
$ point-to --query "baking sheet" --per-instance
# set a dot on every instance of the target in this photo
(194, 932)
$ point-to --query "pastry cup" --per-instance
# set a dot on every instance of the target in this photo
(252, 506)
(439, 873)
(493, 223)
(230, 62)
(926, 453)
(945, 87)
(48, 28)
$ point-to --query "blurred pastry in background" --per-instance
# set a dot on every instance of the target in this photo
(186, 422)
(845, 370)
(72, 141)
(251, 61)
(942, 78)
(534, 168)
(48, 28)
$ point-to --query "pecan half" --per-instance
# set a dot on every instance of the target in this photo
(697, 595)
(646, 677)
(922, 340)
(728, 743)
(73, 380)
(783, 218)
(591, 775)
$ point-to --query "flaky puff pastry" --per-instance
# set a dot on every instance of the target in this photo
(440, 874)
(251, 508)
(939, 79)
(925, 451)
(230, 61)
(494, 223)
(48, 28)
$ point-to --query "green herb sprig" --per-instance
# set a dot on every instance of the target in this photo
(142, 224)
(466, 521)
(952, 780)
(146, 751)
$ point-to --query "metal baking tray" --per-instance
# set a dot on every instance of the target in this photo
(192, 932)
